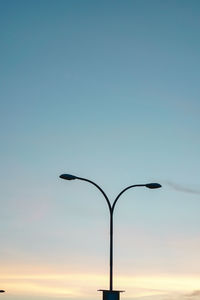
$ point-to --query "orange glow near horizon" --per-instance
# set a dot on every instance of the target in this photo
(85, 285)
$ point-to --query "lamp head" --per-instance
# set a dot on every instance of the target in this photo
(153, 185)
(67, 176)
(2, 291)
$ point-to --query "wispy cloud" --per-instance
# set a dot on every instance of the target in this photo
(72, 285)
(183, 188)
(194, 294)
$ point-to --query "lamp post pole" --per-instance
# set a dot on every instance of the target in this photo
(111, 294)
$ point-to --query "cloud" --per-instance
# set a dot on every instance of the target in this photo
(183, 189)
(31, 280)
(194, 294)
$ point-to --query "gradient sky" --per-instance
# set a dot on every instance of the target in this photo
(107, 90)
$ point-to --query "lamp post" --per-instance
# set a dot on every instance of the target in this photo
(110, 294)
(2, 291)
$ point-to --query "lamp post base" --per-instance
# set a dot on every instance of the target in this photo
(111, 295)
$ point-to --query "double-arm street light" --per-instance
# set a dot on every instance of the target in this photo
(111, 294)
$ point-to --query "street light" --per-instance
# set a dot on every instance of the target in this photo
(2, 291)
(110, 294)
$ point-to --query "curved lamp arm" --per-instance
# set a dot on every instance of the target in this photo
(124, 190)
(72, 177)
(147, 185)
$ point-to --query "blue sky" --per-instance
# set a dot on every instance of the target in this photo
(107, 90)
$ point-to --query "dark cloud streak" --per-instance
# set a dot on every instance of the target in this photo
(183, 189)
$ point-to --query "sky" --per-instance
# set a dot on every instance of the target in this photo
(109, 91)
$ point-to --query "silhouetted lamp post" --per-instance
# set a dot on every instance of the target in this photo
(2, 291)
(111, 294)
